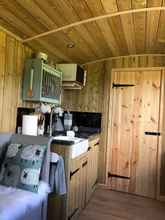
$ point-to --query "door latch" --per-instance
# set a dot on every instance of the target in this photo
(110, 175)
(121, 85)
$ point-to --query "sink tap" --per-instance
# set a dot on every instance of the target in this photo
(51, 121)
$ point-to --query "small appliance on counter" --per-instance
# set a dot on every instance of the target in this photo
(30, 125)
(57, 125)
(20, 112)
(67, 121)
(41, 124)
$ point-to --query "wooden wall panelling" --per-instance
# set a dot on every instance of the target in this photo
(96, 8)
(109, 6)
(88, 99)
(140, 27)
(82, 11)
(29, 30)
(93, 25)
(127, 62)
(161, 32)
(104, 141)
(12, 58)
(2, 71)
(61, 40)
(21, 12)
(35, 11)
(128, 28)
(152, 30)
(75, 14)
(161, 155)
(120, 38)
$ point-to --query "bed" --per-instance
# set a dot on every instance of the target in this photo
(17, 204)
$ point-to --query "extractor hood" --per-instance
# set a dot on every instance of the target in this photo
(73, 76)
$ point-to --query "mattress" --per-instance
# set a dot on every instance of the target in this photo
(17, 204)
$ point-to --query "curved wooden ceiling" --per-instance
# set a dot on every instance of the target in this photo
(98, 28)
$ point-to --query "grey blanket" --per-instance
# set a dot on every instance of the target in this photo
(57, 177)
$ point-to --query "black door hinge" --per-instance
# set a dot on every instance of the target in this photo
(73, 213)
(85, 163)
(110, 175)
(73, 173)
(116, 85)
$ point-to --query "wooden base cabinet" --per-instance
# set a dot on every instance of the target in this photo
(92, 171)
(81, 176)
(78, 186)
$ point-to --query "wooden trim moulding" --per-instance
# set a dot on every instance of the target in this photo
(85, 21)
(160, 139)
(136, 69)
(160, 40)
(125, 56)
(11, 34)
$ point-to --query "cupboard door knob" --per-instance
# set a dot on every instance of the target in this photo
(85, 163)
(89, 148)
(73, 173)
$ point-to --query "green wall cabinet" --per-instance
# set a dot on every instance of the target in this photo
(41, 83)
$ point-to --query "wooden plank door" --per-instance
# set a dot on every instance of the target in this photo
(135, 111)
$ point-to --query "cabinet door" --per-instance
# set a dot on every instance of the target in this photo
(92, 170)
(95, 163)
(78, 186)
(83, 183)
(74, 190)
(89, 173)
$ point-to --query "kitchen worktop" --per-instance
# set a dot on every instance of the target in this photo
(63, 142)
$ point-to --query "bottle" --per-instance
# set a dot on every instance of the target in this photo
(67, 121)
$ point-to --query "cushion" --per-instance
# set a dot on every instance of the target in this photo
(22, 166)
(3, 149)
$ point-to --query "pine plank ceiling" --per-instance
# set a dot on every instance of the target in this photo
(120, 35)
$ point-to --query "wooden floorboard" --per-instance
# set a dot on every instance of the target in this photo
(110, 205)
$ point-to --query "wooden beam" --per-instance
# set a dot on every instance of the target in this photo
(11, 34)
(161, 41)
(118, 57)
(109, 15)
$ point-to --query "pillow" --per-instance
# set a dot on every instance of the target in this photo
(22, 166)
(3, 148)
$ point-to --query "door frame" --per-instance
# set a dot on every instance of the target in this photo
(161, 119)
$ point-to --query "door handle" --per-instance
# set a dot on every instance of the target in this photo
(73, 173)
(85, 163)
(154, 133)
(110, 175)
(89, 148)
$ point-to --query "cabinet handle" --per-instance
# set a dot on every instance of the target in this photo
(74, 172)
(152, 133)
(97, 143)
(30, 91)
(94, 184)
(85, 163)
(89, 148)
(73, 213)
